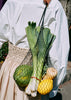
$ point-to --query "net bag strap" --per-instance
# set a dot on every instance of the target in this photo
(28, 57)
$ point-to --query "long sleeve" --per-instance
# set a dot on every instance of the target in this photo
(14, 18)
(65, 48)
(9, 16)
(3, 26)
(58, 54)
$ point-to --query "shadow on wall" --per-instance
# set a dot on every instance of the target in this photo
(67, 7)
(69, 59)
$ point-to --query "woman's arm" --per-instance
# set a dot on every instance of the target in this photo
(3, 25)
(60, 49)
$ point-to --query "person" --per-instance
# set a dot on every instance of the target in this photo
(14, 18)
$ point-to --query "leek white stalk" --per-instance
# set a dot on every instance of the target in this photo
(31, 88)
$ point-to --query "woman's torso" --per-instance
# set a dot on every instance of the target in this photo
(20, 12)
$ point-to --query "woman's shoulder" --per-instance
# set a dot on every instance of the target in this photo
(59, 6)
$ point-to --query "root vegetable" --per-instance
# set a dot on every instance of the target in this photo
(51, 73)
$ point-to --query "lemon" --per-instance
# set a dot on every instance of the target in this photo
(45, 86)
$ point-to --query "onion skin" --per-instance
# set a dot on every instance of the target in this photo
(50, 74)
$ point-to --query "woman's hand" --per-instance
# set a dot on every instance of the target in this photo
(47, 1)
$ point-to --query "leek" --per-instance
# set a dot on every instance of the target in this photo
(40, 41)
